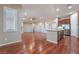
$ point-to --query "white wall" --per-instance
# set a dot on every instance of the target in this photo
(8, 37)
(36, 28)
(27, 28)
(74, 24)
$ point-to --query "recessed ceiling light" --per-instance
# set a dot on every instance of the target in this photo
(57, 9)
(69, 7)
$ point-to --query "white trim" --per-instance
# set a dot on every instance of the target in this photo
(74, 36)
(10, 43)
(52, 41)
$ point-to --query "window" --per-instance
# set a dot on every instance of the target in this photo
(10, 19)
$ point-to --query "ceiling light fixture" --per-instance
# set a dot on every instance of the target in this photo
(69, 6)
(31, 19)
(57, 9)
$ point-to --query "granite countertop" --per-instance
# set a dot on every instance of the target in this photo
(54, 30)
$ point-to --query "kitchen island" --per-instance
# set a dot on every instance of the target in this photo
(54, 35)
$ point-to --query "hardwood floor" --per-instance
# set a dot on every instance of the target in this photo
(11, 48)
(36, 43)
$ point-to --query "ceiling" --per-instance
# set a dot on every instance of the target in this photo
(45, 11)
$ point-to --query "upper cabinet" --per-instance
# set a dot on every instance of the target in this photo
(64, 21)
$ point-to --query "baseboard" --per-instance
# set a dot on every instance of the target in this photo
(10, 43)
(52, 41)
(74, 36)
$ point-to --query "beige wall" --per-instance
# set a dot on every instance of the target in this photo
(8, 37)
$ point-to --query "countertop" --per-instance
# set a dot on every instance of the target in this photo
(55, 30)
